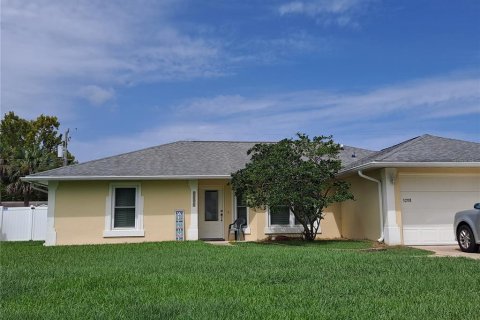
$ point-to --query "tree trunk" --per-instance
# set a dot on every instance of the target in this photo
(310, 234)
(309, 229)
(26, 199)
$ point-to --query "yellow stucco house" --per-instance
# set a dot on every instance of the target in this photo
(405, 194)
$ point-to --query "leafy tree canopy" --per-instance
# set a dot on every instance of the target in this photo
(26, 147)
(299, 173)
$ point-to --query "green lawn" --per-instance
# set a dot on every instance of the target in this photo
(194, 280)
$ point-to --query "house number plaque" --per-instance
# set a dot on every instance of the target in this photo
(179, 225)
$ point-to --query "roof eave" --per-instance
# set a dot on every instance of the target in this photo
(375, 165)
(107, 178)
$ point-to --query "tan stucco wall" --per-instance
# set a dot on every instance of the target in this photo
(360, 217)
(80, 211)
(258, 222)
(331, 225)
(81, 206)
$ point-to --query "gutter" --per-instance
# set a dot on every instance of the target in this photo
(380, 202)
(161, 177)
(377, 164)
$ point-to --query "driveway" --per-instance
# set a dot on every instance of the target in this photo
(449, 251)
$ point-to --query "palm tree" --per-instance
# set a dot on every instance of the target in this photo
(28, 161)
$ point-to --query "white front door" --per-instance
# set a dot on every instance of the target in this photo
(211, 214)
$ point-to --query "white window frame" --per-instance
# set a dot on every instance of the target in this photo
(137, 231)
(283, 228)
(234, 216)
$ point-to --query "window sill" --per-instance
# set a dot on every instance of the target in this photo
(283, 229)
(123, 233)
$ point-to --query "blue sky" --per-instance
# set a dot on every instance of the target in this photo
(133, 74)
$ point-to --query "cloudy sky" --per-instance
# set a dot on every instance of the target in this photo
(124, 75)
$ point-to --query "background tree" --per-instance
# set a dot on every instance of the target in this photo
(300, 174)
(27, 147)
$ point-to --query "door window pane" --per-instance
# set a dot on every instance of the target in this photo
(211, 205)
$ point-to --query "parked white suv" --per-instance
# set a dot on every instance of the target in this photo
(467, 229)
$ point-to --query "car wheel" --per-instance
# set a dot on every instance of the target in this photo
(466, 239)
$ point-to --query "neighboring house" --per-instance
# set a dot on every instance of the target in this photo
(405, 194)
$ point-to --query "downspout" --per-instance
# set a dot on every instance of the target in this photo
(380, 202)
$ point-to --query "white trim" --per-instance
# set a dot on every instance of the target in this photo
(369, 165)
(51, 236)
(391, 229)
(375, 164)
(274, 229)
(192, 232)
(234, 215)
(282, 228)
(138, 230)
(439, 174)
(123, 233)
(159, 177)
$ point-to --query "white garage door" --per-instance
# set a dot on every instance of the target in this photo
(429, 204)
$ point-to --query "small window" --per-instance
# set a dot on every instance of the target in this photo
(242, 210)
(124, 214)
(124, 211)
(281, 216)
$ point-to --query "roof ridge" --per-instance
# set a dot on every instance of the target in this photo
(227, 141)
(400, 146)
(452, 139)
(384, 152)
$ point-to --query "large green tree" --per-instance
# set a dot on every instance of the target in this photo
(26, 147)
(299, 173)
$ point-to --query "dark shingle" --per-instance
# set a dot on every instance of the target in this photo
(183, 158)
(425, 148)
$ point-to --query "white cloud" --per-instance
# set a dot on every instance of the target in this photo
(429, 98)
(372, 119)
(97, 95)
(338, 12)
(52, 49)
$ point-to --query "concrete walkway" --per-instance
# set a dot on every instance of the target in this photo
(449, 251)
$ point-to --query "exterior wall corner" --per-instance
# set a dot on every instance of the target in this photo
(51, 235)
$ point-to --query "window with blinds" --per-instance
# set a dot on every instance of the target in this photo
(280, 216)
(124, 208)
(242, 208)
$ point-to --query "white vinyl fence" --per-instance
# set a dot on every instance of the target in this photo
(23, 223)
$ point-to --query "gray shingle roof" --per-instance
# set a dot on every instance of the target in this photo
(425, 148)
(221, 158)
(182, 158)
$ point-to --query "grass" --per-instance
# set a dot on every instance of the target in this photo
(194, 280)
